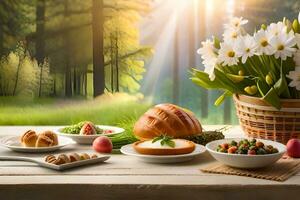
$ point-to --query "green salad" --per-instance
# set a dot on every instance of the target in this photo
(75, 129)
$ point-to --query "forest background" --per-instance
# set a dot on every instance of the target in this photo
(63, 61)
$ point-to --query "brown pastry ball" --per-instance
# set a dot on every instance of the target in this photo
(84, 156)
(29, 138)
(43, 141)
(74, 157)
(50, 135)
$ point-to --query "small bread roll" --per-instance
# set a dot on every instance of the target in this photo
(43, 141)
(29, 138)
(84, 156)
(49, 157)
(74, 157)
(94, 156)
(50, 135)
(59, 161)
(64, 157)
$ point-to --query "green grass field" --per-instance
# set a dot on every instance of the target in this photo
(103, 110)
(107, 110)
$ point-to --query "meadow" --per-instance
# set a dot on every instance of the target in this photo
(108, 109)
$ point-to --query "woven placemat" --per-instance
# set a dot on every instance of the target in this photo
(280, 171)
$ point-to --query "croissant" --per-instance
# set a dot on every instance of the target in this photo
(167, 119)
(29, 138)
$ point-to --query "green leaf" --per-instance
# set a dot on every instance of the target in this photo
(268, 94)
(221, 98)
(235, 78)
(157, 138)
(170, 143)
(281, 85)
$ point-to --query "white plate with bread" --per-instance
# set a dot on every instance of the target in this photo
(154, 152)
(62, 161)
(32, 142)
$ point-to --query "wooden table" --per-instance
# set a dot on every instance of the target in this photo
(124, 177)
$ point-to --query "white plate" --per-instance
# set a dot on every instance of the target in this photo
(242, 160)
(41, 162)
(88, 139)
(13, 143)
(129, 150)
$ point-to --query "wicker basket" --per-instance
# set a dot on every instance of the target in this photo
(260, 120)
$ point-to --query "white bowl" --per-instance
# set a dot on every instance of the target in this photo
(242, 160)
(88, 139)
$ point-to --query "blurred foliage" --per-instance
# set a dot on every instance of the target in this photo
(64, 40)
(20, 75)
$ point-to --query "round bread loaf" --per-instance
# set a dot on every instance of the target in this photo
(167, 119)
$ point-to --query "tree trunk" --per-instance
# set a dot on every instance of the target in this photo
(85, 83)
(54, 85)
(98, 56)
(111, 64)
(1, 39)
(40, 40)
(117, 62)
(40, 31)
(21, 58)
(68, 73)
(202, 35)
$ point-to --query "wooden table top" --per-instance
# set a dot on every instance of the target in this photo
(124, 175)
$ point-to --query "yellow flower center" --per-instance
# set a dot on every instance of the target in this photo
(280, 47)
(247, 50)
(234, 35)
(231, 54)
(264, 43)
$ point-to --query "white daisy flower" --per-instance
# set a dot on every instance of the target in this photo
(263, 43)
(228, 55)
(209, 56)
(207, 50)
(283, 44)
(275, 28)
(209, 67)
(295, 77)
(231, 35)
(296, 58)
(236, 23)
(246, 47)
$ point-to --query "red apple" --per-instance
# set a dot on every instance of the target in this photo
(293, 148)
(102, 144)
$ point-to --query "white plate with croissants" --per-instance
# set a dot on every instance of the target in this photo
(33, 142)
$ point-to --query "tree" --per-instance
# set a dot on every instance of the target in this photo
(40, 40)
(14, 23)
(98, 55)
